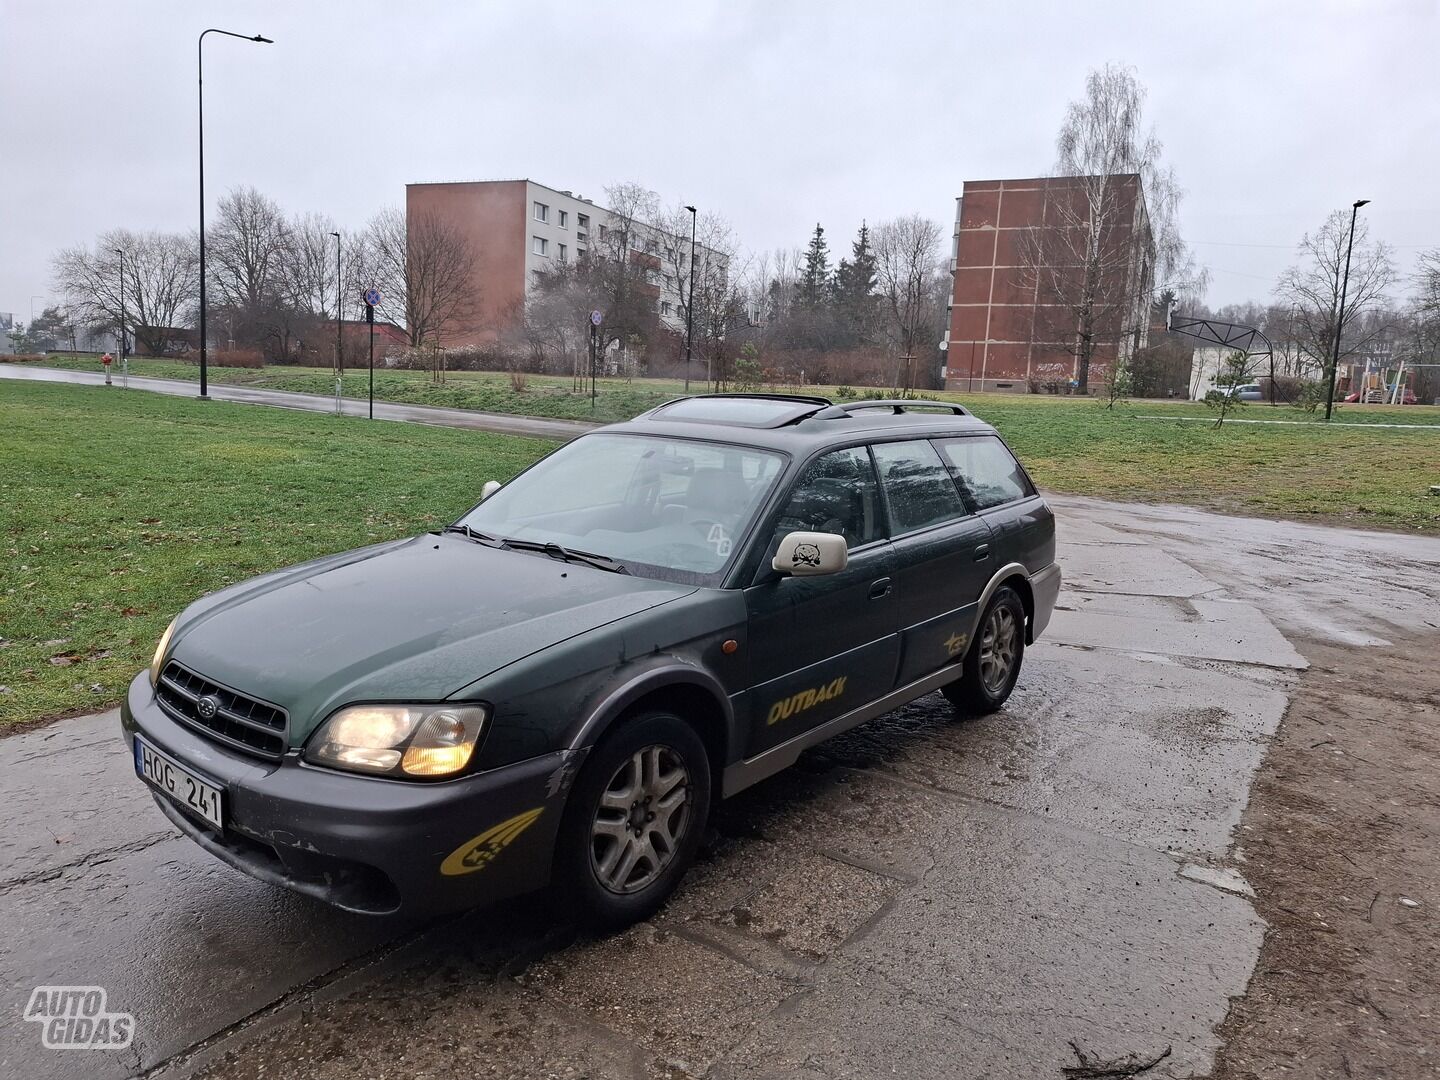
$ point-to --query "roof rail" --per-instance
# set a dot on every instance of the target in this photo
(899, 405)
(797, 398)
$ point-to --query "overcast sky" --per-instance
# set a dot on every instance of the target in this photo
(775, 114)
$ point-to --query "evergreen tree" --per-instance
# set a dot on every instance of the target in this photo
(855, 284)
(815, 278)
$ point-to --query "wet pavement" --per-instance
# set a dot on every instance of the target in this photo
(924, 896)
(503, 423)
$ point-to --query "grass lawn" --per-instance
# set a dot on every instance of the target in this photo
(1344, 474)
(117, 510)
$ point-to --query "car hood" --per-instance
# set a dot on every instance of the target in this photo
(415, 620)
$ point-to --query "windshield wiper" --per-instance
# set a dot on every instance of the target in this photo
(476, 535)
(555, 551)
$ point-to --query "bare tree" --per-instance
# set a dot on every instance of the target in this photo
(907, 262)
(712, 292)
(162, 282)
(424, 268)
(247, 249)
(1311, 289)
(1093, 262)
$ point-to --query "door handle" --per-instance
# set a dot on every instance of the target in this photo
(880, 588)
(982, 553)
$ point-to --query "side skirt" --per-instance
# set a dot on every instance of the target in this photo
(743, 774)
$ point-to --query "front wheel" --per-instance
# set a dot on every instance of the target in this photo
(634, 820)
(992, 665)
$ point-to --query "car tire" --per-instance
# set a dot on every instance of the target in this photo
(992, 665)
(620, 805)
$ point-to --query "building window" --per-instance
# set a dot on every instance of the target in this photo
(564, 218)
(664, 307)
(542, 212)
(582, 221)
(562, 252)
(538, 244)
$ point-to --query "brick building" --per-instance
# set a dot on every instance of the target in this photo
(520, 229)
(1015, 261)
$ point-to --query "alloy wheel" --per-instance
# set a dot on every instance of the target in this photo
(997, 648)
(640, 820)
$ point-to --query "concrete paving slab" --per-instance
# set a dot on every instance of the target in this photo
(1143, 750)
(1140, 570)
(1048, 935)
(70, 795)
(684, 1003)
(1174, 626)
(814, 907)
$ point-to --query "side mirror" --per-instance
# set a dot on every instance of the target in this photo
(491, 486)
(809, 554)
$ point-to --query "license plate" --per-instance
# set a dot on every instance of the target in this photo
(178, 782)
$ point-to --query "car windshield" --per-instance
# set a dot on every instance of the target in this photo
(669, 508)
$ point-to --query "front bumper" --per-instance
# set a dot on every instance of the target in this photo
(363, 843)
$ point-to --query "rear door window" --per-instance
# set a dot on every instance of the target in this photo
(986, 471)
(917, 484)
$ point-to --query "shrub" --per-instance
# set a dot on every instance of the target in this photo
(241, 358)
(1310, 396)
(519, 380)
(845, 393)
(748, 374)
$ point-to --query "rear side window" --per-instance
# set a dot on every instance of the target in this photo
(986, 471)
(836, 494)
(917, 486)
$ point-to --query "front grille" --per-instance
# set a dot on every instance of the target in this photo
(239, 721)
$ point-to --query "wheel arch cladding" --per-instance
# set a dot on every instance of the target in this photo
(695, 706)
(683, 691)
(1021, 585)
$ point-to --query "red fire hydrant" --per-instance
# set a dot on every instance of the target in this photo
(107, 360)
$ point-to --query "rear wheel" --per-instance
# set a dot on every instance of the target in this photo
(992, 665)
(634, 820)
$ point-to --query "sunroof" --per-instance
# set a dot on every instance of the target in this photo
(746, 412)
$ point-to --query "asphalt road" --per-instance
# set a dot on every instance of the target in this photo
(923, 896)
(504, 423)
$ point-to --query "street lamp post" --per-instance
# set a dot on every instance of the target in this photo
(200, 76)
(339, 361)
(1340, 319)
(121, 253)
(690, 303)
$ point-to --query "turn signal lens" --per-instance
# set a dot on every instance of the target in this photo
(411, 740)
(442, 745)
(159, 657)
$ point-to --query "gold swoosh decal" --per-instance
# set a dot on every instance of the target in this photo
(478, 852)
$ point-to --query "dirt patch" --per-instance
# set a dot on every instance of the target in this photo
(1341, 842)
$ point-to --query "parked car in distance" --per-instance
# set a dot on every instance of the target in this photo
(1243, 392)
(557, 687)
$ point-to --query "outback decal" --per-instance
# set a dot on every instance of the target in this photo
(805, 555)
(955, 643)
(806, 699)
(477, 854)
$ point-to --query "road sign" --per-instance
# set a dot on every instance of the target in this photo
(596, 318)
(372, 297)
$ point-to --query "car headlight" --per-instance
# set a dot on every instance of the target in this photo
(160, 647)
(399, 740)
